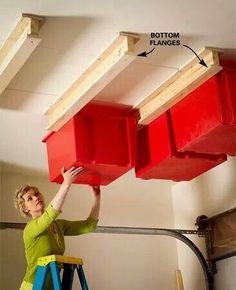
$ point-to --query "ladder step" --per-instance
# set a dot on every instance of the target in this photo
(51, 263)
(60, 259)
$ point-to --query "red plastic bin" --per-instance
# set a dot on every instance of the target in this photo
(205, 120)
(158, 158)
(101, 138)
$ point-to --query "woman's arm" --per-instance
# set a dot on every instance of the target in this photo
(96, 206)
(39, 225)
(73, 228)
(69, 176)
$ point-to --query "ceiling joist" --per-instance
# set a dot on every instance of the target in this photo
(178, 86)
(108, 65)
(18, 47)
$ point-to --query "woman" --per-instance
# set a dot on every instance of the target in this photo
(44, 234)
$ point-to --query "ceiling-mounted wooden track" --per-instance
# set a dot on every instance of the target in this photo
(107, 66)
(187, 79)
(18, 47)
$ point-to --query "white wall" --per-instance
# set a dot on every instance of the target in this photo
(111, 261)
(211, 193)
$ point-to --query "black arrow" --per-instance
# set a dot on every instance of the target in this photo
(202, 62)
(144, 54)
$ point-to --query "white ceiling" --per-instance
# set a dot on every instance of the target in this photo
(74, 35)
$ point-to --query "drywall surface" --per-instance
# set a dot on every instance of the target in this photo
(111, 261)
(209, 194)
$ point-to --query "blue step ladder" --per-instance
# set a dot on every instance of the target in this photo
(53, 263)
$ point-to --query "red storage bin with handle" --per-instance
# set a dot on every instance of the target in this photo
(158, 158)
(101, 138)
(205, 120)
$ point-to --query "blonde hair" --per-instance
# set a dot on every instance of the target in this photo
(19, 201)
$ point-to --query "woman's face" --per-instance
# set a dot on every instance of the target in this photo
(34, 202)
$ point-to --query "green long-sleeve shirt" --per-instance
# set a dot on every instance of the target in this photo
(44, 236)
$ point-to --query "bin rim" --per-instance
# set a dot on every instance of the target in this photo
(45, 139)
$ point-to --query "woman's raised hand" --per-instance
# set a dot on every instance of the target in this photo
(71, 174)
